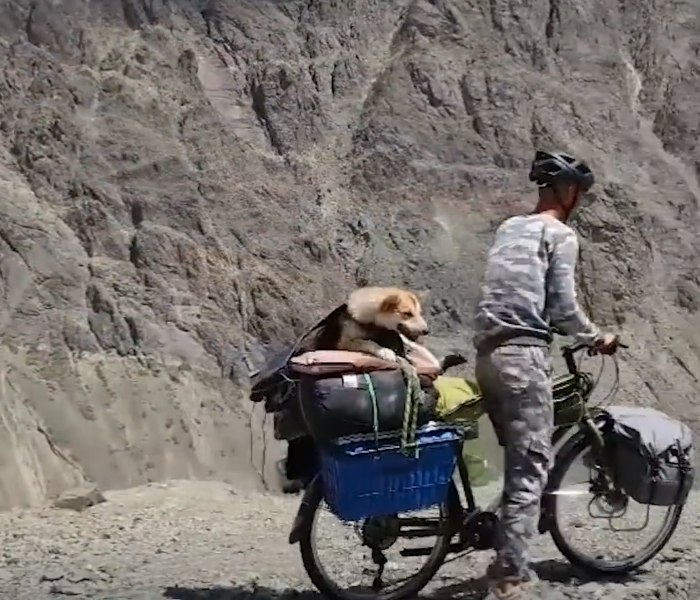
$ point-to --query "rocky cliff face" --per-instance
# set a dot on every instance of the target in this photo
(182, 183)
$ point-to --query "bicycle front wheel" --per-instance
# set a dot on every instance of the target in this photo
(597, 532)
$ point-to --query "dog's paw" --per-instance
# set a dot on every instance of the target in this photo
(452, 360)
(387, 354)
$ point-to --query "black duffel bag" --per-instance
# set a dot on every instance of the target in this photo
(339, 405)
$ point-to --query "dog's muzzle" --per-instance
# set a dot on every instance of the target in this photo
(413, 334)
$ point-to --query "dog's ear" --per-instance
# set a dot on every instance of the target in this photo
(390, 304)
(423, 296)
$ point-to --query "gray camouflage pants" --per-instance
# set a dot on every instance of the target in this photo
(515, 382)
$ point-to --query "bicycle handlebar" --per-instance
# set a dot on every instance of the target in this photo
(568, 353)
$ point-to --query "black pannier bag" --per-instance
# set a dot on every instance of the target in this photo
(342, 404)
(652, 455)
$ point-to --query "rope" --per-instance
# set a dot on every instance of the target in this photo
(260, 472)
(414, 398)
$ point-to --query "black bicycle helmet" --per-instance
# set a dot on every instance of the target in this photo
(554, 167)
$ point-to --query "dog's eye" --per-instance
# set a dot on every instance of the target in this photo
(407, 313)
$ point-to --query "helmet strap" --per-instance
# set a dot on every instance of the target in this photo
(567, 209)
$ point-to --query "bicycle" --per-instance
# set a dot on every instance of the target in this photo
(463, 527)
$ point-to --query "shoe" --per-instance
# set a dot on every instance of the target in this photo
(514, 591)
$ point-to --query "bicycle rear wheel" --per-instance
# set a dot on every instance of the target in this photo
(615, 511)
(352, 590)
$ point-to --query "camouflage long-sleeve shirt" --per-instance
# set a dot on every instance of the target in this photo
(529, 285)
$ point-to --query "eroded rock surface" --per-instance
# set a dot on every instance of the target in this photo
(182, 183)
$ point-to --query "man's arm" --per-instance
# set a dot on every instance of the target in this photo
(562, 305)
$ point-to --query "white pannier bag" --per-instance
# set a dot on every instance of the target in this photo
(652, 455)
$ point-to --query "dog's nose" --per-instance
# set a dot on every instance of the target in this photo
(426, 331)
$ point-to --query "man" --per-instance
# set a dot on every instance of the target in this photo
(529, 287)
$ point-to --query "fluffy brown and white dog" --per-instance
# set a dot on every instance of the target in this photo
(375, 319)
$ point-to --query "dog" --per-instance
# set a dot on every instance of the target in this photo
(376, 318)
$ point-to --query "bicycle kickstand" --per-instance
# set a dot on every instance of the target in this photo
(380, 560)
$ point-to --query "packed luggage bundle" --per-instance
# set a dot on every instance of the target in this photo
(378, 448)
(347, 393)
(380, 453)
(327, 394)
(345, 413)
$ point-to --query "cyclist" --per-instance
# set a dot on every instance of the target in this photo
(529, 287)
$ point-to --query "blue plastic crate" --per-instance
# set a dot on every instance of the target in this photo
(372, 478)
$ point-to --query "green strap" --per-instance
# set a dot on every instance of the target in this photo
(375, 408)
(411, 407)
(410, 413)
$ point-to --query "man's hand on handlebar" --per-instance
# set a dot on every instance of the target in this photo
(608, 344)
(605, 346)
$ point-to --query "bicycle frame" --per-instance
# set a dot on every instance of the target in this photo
(588, 422)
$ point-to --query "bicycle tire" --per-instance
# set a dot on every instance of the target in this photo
(573, 448)
(329, 589)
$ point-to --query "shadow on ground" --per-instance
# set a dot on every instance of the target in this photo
(560, 573)
(237, 593)
(557, 572)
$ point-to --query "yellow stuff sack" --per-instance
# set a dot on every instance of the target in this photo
(459, 400)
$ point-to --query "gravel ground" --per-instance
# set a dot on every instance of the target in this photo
(202, 540)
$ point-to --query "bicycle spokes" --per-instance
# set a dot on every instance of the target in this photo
(599, 520)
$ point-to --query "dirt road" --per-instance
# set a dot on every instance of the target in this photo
(195, 540)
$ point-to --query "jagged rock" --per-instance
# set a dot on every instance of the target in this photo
(80, 499)
(184, 186)
(52, 575)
